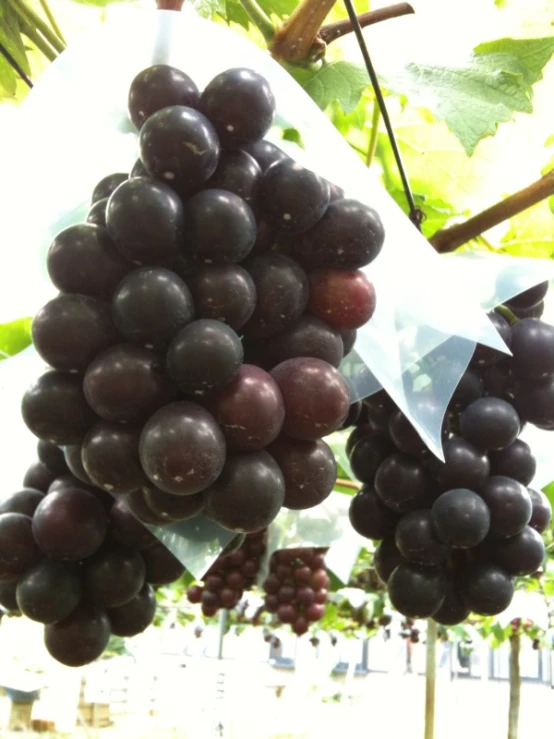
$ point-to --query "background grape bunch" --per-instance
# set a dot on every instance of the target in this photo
(454, 535)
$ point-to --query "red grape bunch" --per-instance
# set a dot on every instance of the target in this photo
(454, 535)
(78, 561)
(233, 573)
(296, 587)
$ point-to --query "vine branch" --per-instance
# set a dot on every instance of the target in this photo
(449, 239)
(333, 31)
(295, 38)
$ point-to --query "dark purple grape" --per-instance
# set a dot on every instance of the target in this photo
(309, 470)
(113, 576)
(516, 461)
(461, 518)
(157, 87)
(486, 589)
(337, 193)
(354, 413)
(145, 219)
(240, 104)
(75, 463)
(490, 424)
(486, 356)
(125, 528)
(355, 226)
(348, 336)
(369, 517)
(182, 449)
(367, 454)
(282, 295)
(162, 567)
(308, 337)
(499, 380)
(18, 550)
(464, 466)
(416, 539)
(70, 524)
(39, 477)
(125, 383)
(111, 458)
(404, 435)
(521, 554)
(453, 609)
(509, 505)
(97, 213)
(173, 507)
(49, 592)
(534, 402)
(107, 185)
(23, 501)
(204, 356)
(379, 409)
(248, 494)
(55, 409)
(136, 502)
(416, 591)
(387, 557)
(315, 397)
(541, 515)
(265, 238)
(265, 153)
(249, 409)
(135, 616)
(533, 349)
(52, 456)
(403, 484)
(534, 311)
(84, 260)
(224, 292)
(68, 480)
(527, 298)
(469, 388)
(293, 198)
(240, 173)
(151, 305)
(80, 638)
(8, 596)
(139, 170)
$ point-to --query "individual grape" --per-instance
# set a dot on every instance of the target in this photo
(509, 505)
(52, 456)
(18, 550)
(282, 295)
(315, 396)
(415, 591)
(533, 349)
(453, 609)
(136, 502)
(534, 402)
(534, 311)
(353, 416)
(157, 87)
(173, 507)
(39, 477)
(379, 408)
(97, 213)
(125, 528)
(83, 259)
(293, 198)
(541, 515)
(464, 466)
(7, 596)
(486, 589)
(182, 449)
(387, 557)
(369, 517)
(75, 463)
(469, 388)
(266, 238)
(224, 292)
(315, 612)
(125, 383)
(80, 638)
(49, 592)
(521, 554)
(151, 305)
(23, 501)
(111, 459)
(286, 594)
(249, 493)
(238, 172)
(305, 595)
(265, 153)
(355, 226)
(194, 594)
(528, 298)
(249, 409)
(416, 539)
(204, 356)
(139, 170)
(486, 356)
(68, 480)
(348, 337)
(490, 424)
(461, 518)
(287, 613)
(516, 461)
(337, 193)
(107, 185)
(220, 228)
(240, 104)
(136, 615)
(162, 567)
(113, 576)
(404, 435)
(345, 299)
(145, 219)
(403, 484)
(54, 408)
(309, 470)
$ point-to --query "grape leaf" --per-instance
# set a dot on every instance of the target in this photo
(235, 13)
(530, 233)
(14, 337)
(340, 81)
(10, 38)
(8, 79)
(436, 211)
(210, 8)
(532, 54)
(294, 135)
(280, 8)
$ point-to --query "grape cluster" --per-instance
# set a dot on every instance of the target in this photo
(75, 559)
(454, 535)
(296, 587)
(233, 572)
(203, 309)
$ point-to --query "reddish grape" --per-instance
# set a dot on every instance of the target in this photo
(286, 594)
(303, 574)
(346, 300)
(194, 594)
(272, 584)
(320, 596)
(320, 579)
(315, 612)
(235, 580)
(306, 595)
(271, 603)
(286, 613)
(300, 626)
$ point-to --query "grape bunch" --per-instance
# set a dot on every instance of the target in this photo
(76, 560)
(454, 535)
(233, 572)
(297, 587)
(203, 310)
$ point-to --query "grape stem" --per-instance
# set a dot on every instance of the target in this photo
(449, 239)
(28, 14)
(52, 20)
(295, 38)
(348, 484)
(259, 19)
(374, 134)
(33, 35)
(333, 31)
(515, 686)
(430, 678)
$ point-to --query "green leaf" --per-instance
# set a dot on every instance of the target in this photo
(10, 38)
(235, 13)
(437, 212)
(14, 337)
(340, 81)
(530, 233)
(292, 134)
(532, 54)
(280, 8)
